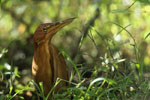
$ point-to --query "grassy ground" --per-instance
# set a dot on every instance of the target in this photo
(108, 78)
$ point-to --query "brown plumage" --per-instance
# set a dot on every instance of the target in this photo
(48, 63)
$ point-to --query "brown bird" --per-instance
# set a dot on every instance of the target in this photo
(48, 64)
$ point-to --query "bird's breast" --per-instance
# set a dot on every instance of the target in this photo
(41, 69)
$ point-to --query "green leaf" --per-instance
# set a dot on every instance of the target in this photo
(111, 82)
(4, 51)
(72, 62)
(11, 88)
(94, 81)
(97, 80)
(147, 36)
(138, 66)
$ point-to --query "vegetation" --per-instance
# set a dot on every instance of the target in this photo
(106, 48)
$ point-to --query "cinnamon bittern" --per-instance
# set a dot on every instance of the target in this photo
(48, 64)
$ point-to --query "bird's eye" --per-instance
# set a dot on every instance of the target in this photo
(44, 29)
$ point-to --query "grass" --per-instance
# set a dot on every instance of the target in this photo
(112, 79)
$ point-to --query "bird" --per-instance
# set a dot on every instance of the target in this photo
(48, 63)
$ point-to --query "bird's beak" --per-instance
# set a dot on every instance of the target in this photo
(55, 27)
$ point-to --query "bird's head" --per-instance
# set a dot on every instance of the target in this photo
(45, 32)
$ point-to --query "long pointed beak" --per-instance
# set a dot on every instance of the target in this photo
(58, 25)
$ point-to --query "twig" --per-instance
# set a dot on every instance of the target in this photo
(85, 32)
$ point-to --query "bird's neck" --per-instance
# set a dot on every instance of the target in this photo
(42, 57)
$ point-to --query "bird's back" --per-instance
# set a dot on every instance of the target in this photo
(59, 67)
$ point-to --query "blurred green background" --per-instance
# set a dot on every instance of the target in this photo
(113, 29)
